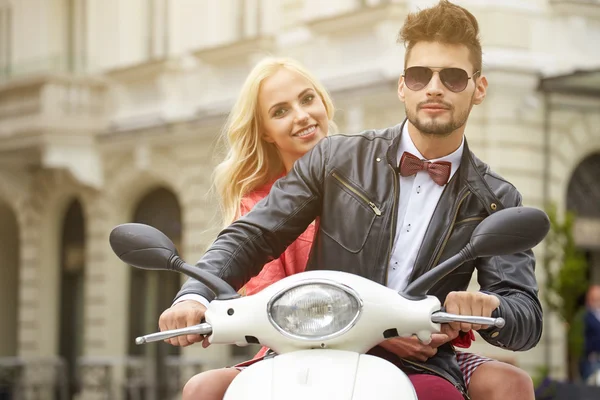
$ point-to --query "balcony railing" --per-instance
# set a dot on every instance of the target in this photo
(97, 378)
(37, 378)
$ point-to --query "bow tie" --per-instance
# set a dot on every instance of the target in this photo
(439, 171)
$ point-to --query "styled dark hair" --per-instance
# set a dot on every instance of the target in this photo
(444, 23)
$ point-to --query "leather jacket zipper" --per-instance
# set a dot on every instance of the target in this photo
(369, 203)
(394, 222)
(438, 253)
(449, 232)
(472, 219)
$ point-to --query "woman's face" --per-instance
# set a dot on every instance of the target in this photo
(293, 115)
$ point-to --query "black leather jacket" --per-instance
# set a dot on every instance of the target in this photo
(351, 183)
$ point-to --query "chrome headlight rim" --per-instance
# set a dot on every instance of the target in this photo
(353, 293)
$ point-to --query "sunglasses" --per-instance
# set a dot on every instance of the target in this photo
(455, 79)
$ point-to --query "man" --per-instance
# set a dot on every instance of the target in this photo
(408, 215)
(591, 322)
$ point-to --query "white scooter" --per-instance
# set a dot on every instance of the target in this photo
(321, 323)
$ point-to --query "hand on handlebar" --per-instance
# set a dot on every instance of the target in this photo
(181, 315)
(470, 303)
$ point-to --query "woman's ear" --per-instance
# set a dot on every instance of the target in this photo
(267, 138)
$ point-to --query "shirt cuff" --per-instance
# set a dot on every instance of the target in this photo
(195, 297)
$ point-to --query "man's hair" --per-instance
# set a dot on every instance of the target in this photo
(444, 23)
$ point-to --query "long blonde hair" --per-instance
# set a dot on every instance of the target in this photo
(252, 162)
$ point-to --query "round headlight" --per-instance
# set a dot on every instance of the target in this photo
(314, 310)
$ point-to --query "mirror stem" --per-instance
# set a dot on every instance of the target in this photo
(221, 290)
(418, 289)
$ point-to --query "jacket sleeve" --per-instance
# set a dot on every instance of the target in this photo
(271, 272)
(241, 250)
(512, 279)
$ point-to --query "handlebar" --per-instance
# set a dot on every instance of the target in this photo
(439, 317)
(200, 329)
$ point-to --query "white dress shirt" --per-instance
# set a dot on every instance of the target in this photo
(419, 196)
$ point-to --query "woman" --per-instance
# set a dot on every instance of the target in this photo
(281, 113)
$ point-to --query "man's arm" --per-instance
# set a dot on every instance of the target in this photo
(512, 280)
(241, 250)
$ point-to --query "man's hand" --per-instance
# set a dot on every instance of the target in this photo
(182, 315)
(412, 348)
(470, 303)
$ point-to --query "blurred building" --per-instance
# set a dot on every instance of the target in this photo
(109, 113)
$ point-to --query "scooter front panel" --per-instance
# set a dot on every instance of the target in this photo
(379, 379)
(321, 375)
(301, 375)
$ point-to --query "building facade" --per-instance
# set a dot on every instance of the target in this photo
(110, 113)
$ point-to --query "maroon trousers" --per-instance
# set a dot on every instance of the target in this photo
(428, 387)
(431, 387)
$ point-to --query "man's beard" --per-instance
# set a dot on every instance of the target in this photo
(434, 127)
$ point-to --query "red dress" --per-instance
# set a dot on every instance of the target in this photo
(294, 260)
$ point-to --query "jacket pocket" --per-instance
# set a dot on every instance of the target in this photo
(348, 213)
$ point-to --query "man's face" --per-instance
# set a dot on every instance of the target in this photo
(594, 297)
(434, 109)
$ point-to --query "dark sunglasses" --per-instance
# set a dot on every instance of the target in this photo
(455, 79)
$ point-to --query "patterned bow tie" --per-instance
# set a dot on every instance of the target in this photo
(439, 171)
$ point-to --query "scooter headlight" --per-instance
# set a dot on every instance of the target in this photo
(314, 310)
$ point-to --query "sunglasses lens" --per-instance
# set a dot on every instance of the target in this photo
(416, 78)
(455, 79)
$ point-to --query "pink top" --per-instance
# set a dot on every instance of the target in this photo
(292, 261)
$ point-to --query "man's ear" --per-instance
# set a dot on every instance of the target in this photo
(401, 87)
(481, 85)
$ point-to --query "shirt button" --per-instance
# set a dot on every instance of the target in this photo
(418, 189)
(408, 228)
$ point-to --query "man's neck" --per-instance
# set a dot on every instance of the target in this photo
(434, 146)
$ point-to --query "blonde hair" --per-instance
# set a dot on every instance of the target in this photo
(252, 162)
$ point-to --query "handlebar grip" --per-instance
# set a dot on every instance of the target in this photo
(441, 317)
(200, 329)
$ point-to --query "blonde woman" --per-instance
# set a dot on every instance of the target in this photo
(266, 134)
(281, 113)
